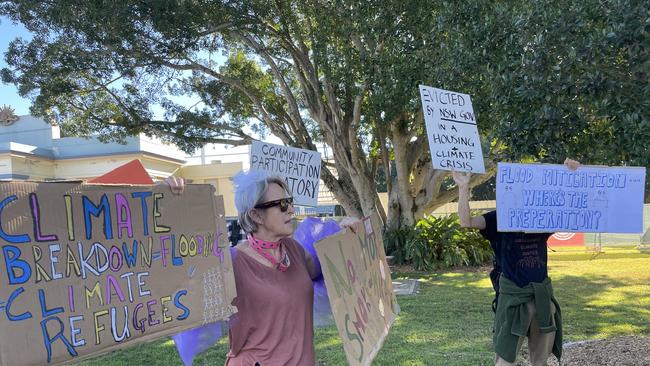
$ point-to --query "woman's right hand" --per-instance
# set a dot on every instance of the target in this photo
(176, 184)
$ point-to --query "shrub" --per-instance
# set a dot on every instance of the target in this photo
(396, 243)
(437, 243)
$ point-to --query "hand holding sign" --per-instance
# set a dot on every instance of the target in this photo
(571, 164)
(461, 179)
(176, 184)
(351, 223)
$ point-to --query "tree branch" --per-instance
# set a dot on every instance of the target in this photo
(294, 113)
(358, 159)
(194, 66)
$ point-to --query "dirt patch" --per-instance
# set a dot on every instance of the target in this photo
(619, 351)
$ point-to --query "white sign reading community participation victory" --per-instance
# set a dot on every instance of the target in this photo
(451, 127)
(299, 167)
(550, 198)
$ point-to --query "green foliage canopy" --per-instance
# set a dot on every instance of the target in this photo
(548, 79)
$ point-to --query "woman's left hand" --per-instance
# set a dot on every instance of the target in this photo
(176, 184)
(351, 223)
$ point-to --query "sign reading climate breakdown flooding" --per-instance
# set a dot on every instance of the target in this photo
(360, 289)
(552, 198)
(90, 268)
(451, 127)
(299, 167)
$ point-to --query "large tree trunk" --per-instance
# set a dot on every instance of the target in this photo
(417, 188)
(401, 209)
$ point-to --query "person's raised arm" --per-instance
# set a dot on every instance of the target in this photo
(466, 219)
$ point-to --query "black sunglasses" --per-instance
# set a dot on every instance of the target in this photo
(282, 202)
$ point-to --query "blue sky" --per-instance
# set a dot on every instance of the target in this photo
(9, 93)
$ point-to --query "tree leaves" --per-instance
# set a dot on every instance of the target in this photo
(548, 79)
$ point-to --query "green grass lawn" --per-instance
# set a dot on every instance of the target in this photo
(449, 322)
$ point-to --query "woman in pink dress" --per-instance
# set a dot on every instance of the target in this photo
(273, 277)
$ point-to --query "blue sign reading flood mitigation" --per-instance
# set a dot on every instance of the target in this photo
(550, 198)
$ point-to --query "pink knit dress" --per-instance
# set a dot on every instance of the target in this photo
(274, 325)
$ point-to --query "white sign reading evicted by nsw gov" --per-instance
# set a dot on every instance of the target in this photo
(299, 167)
(451, 127)
(551, 198)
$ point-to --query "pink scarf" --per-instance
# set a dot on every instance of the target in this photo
(259, 245)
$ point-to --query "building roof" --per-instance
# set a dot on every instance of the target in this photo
(34, 136)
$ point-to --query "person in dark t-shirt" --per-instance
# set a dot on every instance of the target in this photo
(522, 257)
(526, 305)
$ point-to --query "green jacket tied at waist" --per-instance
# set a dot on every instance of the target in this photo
(511, 320)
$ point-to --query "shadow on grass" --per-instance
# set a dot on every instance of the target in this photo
(585, 255)
(448, 323)
(451, 322)
(597, 306)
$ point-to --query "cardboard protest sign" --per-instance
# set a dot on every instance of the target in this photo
(550, 198)
(451, 127)
(360, 289)
(89, 268)
(299, 167)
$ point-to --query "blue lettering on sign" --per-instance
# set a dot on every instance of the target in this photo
(22, 238)
(103, 208)
(143, 201)
(13, 263)
(45, 312)
(131, 258)
(12, 297)
(47, 340)
(177, 302)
